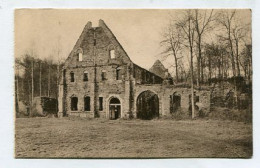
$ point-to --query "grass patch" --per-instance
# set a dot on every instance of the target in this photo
(100, 138)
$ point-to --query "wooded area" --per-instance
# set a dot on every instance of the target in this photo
(227, 56)
(35, 78)
(218, 43)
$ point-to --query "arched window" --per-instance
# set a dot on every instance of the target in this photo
(79, 54)
(72, 79)
(74, 104)
(112, 54)
(85, 76)
(80, 57)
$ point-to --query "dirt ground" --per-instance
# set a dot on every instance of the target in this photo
(100, 138)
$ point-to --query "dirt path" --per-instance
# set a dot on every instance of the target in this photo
(68, 137)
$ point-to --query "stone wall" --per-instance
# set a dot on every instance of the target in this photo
(123, 79)
(95, 45)
(164, 92)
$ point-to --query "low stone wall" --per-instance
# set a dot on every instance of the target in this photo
(165, 91)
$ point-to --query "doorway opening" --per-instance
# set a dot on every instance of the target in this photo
(114, 109)
(175, 103)
(147, 105)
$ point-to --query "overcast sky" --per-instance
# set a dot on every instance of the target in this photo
(138, 31)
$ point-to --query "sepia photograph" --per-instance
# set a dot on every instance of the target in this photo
(133, 83)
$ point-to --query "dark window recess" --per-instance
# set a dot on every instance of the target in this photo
(103, 76)
(87, 103)
(95, 42)
(85, 77)
(197, 99)
(118, 74)
(74, 104)
(72, 77)
(175, 103)
(143, 77)
(147, 78)
(100, 103)
(64, 73)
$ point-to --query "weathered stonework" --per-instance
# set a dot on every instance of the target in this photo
(113, 80)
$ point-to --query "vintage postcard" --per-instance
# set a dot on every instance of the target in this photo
(133, 83)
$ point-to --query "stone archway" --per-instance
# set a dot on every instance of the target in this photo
(114, 108)
(147, 105)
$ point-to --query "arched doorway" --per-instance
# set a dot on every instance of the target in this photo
(114, 108)
(147, 105)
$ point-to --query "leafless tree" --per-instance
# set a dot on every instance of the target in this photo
(246, 61)
(238, 33)
(49, 77)
(57, 52)
(32, 53)
(40, 76)
(17, 69)
(188, 27)
(226, 19)
(202, 18)
(172, 44)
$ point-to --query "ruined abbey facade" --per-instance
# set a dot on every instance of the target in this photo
(100, 80)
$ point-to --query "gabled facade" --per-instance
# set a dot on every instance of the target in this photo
(98, 71)
(100, 80)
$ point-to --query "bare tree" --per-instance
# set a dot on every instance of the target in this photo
(17, 69)
(49, 77)
(238, 34)
(40, 78)
(187, 25)
(183, 76)
(172, 44)
(202, 25)
(33, 55)
(246, 61)
(226, 19)
(57, 52)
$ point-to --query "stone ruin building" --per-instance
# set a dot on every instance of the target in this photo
(100, 80)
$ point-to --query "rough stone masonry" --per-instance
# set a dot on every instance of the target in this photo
(100, 80)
